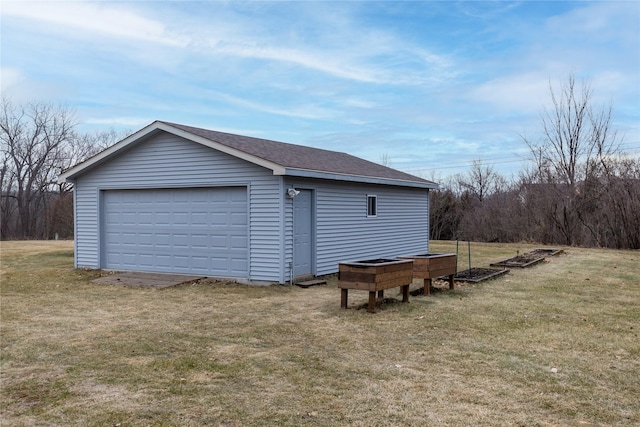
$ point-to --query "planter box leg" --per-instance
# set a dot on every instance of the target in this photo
(405, 293)
(380, 295)
(343, 298)
(451, 284)
(372, 302)
(427, 286)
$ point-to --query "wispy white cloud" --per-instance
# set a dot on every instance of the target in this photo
(103, 18)
(524, 92)
(598, 21)
(485, 10)
(9, 77)
(328, 54)
(20, 87)
(317, 60)
(308, 111)
(119, 121)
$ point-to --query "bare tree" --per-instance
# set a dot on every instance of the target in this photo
(481, 181)
(82, 146)
(444, 214)
(385, 159)
(33, 142)
(618, 218)
(576, 137)
(575, 133)
(7, 196)
(37, 141)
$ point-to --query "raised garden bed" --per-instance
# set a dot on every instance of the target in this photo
(374, 275)
(545, 252)
(430, 266)
(521, 261)
(527, 259)
(475, 275)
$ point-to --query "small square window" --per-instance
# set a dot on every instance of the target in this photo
(372, 205)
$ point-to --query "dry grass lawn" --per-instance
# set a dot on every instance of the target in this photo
(553, 345)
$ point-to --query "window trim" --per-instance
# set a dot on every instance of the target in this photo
(372, 202)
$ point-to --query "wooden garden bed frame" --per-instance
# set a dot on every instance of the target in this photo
(374, 276)
(430, 266)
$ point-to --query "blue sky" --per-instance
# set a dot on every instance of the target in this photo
(429, 85)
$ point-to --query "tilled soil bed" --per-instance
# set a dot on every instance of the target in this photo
(522, 261)
(479, 274)
(527, 259)
(544, 252)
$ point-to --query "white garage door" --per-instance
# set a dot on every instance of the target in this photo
(200, 231)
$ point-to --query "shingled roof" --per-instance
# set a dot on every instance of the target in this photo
(282, 158)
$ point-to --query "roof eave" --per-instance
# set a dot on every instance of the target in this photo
(306, 173)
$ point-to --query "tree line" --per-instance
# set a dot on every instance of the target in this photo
(37, 141)
(580, 187)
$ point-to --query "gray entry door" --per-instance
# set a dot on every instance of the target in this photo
(189, 230)
(303, 234)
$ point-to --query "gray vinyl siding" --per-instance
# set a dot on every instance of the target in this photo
(344, 232)
(168, 161)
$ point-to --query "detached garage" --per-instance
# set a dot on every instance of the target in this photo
(177, 199)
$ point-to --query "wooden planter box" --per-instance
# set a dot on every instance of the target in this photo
(429, 266)
(374, 275)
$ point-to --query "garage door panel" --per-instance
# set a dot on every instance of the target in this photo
(162, 240)
(200, 263)
(146, 239)
(203, 231)
(162, 218)
(199, 241)
(237, 219)
(145, 218)
(219, 219)
(199, 219)
(128, 218)
(237, 265)
(145, 260)
(239, 242)
(162, 261)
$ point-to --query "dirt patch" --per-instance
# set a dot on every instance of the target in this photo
(381, 304)
(146, 280)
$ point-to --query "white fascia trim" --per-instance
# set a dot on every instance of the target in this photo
(69, 174)
(359, 178)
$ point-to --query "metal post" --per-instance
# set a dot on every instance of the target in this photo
(469, 249)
